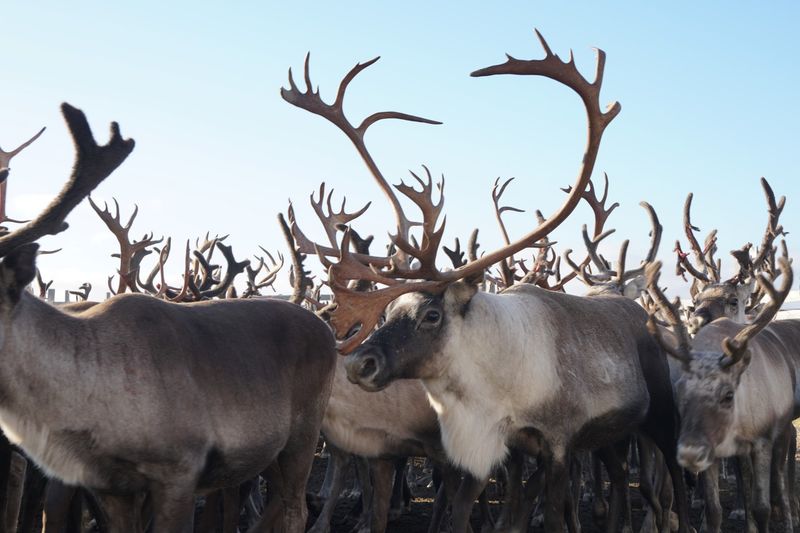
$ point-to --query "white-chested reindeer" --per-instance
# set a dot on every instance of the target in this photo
(140, 395)
(524, 366)
(735, 395)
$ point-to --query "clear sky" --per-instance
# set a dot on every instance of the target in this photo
(708, 93)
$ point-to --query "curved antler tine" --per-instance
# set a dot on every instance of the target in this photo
(766, 252)
(682, 351)
(736, 348)
(334, 113)
(564, 72)
(591, 248)
(655, 242)
(655, 232)
(497, 193)
(700, 254)
(6, 157)
(623, 252)
(684, 265)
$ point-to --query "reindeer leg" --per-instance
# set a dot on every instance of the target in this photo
(381, 472)
(94, 510)
(713, 509)
(58, 498)
(761, 456)
(533, 490)
(648, 466)
(778, 476)
(231, 504)
(557, 473)
(599, 505)
(678, 485)
(334, 476)
(287, 477)
(618, 474)
(401, 492)
(122, 512)
(16, 486)
(173, 504)
(464, 500)
(33, 500)
(513, 490)
(364, 478)
(337, 460)
(451, 479)
(210, 517)
(745, 466)
(791, 474)
(253, 501)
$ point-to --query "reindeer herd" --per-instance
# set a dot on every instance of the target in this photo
(197, 406)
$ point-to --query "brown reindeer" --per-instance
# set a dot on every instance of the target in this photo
(138, 395)
(506, 369)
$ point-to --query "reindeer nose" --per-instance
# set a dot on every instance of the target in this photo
(361, 368)
(694, 457)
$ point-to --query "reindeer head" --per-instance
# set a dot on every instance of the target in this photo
(713, 363)
(428, 300)
(409, 342)
(719, 300)
(732, 298)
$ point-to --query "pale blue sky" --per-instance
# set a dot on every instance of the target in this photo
(708, 93)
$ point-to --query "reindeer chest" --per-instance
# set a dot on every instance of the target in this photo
(63, 455)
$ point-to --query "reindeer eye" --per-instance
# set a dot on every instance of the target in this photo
(727, 399)
(733, 302)
(432, 316)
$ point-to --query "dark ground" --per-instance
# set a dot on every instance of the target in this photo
(416, 521)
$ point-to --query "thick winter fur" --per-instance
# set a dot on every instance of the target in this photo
(397, 421)
(498, 368)
(139, 394)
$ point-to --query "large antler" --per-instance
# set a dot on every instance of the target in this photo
(93, 163)
(601, 214)
(364, 309)
(620, 276)
(128, 250)
(311, 100)
(736, 348)
(681, 351)
(774, 209)
(330, 218)
(707, 269)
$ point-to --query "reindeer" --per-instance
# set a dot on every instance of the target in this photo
(735, 298)
(735, 395)
(499, 369)
(714, 298)
(180, 411)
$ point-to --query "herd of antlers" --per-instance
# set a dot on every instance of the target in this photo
(171, 389)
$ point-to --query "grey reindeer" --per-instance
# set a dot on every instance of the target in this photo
(137, 395)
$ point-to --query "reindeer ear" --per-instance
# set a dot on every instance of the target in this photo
(459, 295)
(18, 270)
(634, 288)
